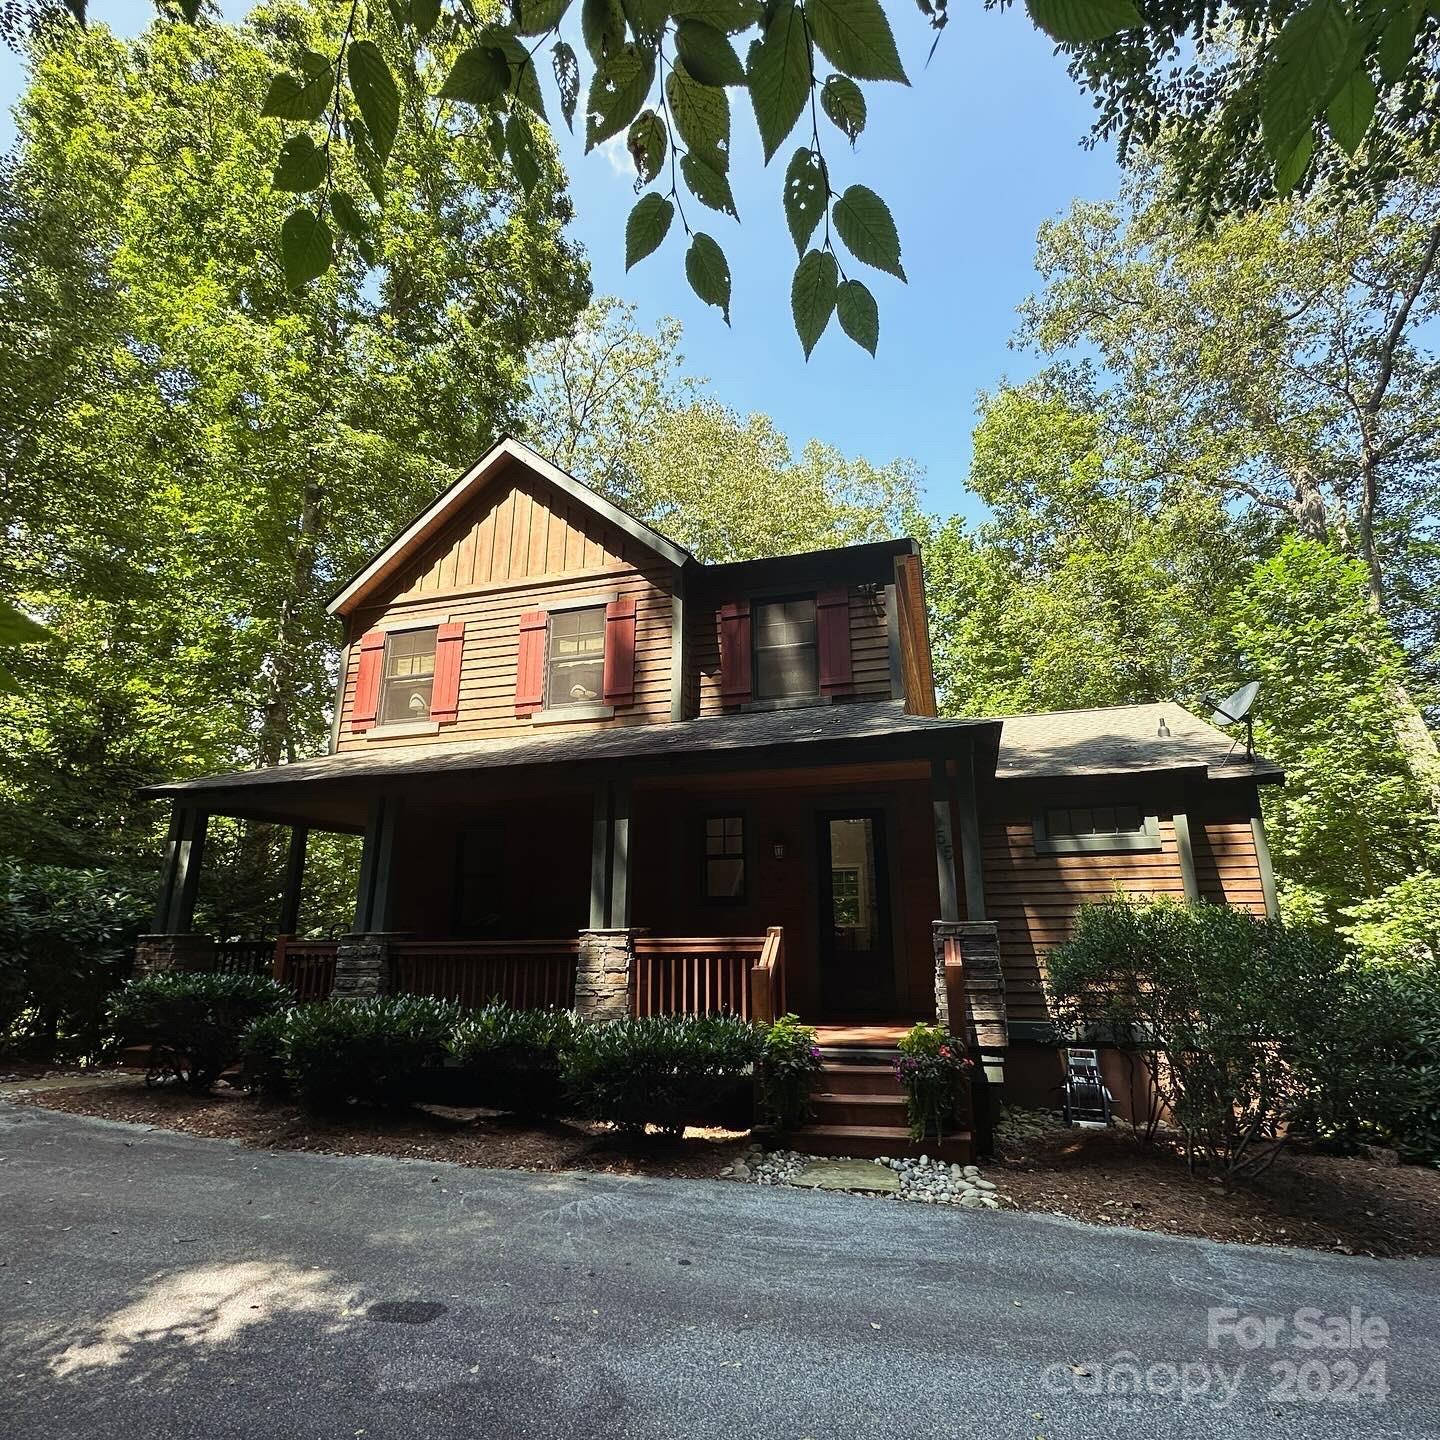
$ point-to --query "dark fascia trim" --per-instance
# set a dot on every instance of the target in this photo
(870, 562)
(1146, 838)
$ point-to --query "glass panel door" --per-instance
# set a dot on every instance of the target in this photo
(856, 959)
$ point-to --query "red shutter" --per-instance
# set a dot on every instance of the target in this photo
(832, 625)
(530, 672)
(735, 666)
(445, 694)
(366, 703)
(620, 651)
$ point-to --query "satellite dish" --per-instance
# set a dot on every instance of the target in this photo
(1234, 707)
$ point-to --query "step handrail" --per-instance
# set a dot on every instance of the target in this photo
(767, 979)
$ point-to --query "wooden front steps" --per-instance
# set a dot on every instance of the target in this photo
(859, 1109)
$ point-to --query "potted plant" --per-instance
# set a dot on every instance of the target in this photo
(932, 1068)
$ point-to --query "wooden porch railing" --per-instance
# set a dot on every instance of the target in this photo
(242, 957)
(306, 966)
(767, 980)
(525, 974)
(702, 975)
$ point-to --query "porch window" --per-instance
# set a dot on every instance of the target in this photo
(409, 676)
(786, 661)
(1095, 829)
(725, 857)
(575, 670)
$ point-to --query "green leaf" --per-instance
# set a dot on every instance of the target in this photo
(478, 76)
(1076, 22)
(778, 68)
(617, 92)
(1397, 44)
(305, 248)
(730, 16)
(812, 296)
(17, 628)
(701, 114)
(646, 143)
(520, 147)
(374, 89)
(858, 314)
(190, 9)
(863, 221)
(602, 23)
(301, 166)
(495, 133)
(1291, 170)
(647, 226)
(854, 36)
(1302, 73)
(707, 54)
(292, 99)
(347, 213)
(648, 19)
(1349, 114)
(423, 16)
(567, 80)
(843, 102)
(709, 273)
(524, 82)
(313, 63)
(708, 185)
(539, 17)
(805, 195)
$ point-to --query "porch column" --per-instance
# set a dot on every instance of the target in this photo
(294, 880)
(377, 859)
(610, 856)
(602, 974)
(180, 878)
(1186, 851)
(968, 814)
(944, 841)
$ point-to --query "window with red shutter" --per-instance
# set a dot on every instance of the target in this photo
(620, 651)
(366, 703)
(735, 655)
(832, 618)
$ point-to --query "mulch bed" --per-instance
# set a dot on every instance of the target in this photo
(431, 1132)
(1324, 1202)
(1105, 1177)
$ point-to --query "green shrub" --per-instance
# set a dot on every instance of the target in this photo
(511, 1058)
(932, 1070)
(378, 1052)
(789, 1063)
(193, 1022)
(262, 1048)
(665, 1070)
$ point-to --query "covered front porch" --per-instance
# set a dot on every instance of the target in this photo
(823, 864)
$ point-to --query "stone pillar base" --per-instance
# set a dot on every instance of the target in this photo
(984, 979)
(362, 965)
(602, 974)
(155, 954)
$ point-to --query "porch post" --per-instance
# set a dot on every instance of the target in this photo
(620, 855)
(189, 855)
(1267, 867)
(372, 904)
(294, 879)
(1186, 850)
(969, 816)
(944, 841)
(171, 863)
(600, 858)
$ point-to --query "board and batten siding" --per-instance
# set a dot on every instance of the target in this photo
(869, 650)
(521, 546)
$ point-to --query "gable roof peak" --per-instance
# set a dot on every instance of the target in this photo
(428, 523)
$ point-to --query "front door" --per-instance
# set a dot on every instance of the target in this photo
(857, 970)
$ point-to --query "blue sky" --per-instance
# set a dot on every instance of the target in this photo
(981, 148)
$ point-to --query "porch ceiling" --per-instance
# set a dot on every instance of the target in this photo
(333, 791)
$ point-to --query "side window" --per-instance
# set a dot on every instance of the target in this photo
(725, 857)
(1095, 829)
(409, 676)
(575, 664)
(786, 662)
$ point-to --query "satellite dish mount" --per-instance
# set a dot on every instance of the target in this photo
(1235, 709)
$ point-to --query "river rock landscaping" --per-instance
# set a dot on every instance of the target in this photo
(925, 1181)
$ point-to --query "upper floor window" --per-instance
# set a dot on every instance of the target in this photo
(1095, 828)
(409, 678)
(575, 671)
(786, 658)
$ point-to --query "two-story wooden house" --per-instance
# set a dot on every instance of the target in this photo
(590, 769)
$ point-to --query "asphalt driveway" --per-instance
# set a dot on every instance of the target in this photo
(157, 1285)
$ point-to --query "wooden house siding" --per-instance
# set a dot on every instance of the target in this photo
(869, 652)
(1227, 867)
